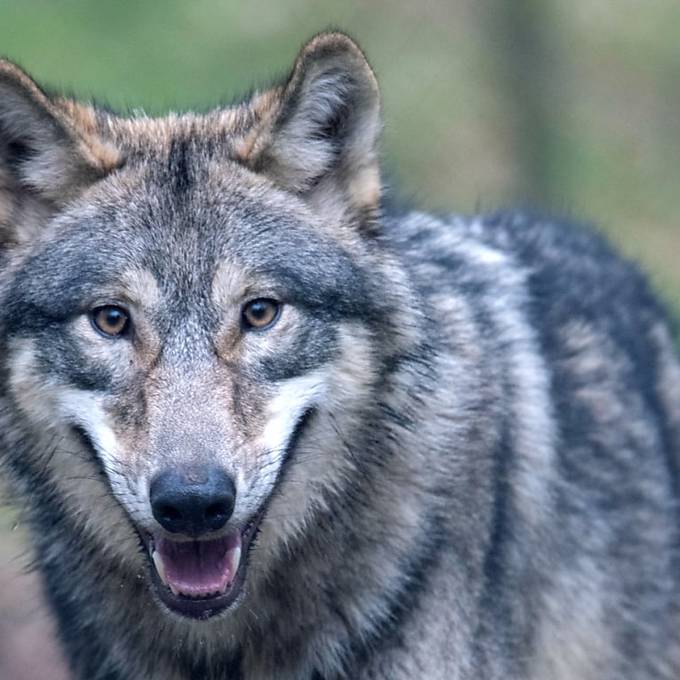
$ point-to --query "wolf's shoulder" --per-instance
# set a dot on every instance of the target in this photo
(530, 240)
(565, 268)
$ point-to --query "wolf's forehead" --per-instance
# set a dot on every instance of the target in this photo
(168, 241)
(223, 282)
(228, 230)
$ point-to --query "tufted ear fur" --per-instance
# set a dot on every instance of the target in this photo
(318, 134)
(49, 152)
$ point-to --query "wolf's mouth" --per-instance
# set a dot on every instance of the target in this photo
(200, 578)
(197, 569)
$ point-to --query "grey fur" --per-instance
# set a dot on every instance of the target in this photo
(478, 418)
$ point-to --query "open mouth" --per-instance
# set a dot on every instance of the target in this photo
(200, 578)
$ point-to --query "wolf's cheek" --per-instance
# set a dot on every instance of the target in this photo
(292, 400)
(303, 454)
(75, 448)
(86, 414)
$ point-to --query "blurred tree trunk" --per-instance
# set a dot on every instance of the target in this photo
(526, 59)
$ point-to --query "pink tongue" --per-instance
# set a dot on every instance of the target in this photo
(200, 568)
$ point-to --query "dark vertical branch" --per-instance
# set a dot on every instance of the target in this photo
(526, 55)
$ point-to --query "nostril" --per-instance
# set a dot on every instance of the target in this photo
(168, 514)
(216, 511)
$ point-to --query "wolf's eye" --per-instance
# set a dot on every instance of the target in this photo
(260, 313)
(110, 320)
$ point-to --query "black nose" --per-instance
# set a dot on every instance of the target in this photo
(192, 503)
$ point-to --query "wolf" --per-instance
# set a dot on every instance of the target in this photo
(262, 427)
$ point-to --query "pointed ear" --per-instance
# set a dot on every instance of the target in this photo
(49, 150)
(318, 133)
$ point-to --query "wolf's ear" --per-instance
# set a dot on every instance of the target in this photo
(317, 135)
(49, 150)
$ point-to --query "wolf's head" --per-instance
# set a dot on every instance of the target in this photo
(192, 313)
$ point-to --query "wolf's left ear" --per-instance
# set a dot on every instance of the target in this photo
(317, 135)
(49, 149)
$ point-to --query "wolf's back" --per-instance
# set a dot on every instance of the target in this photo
(586, 475)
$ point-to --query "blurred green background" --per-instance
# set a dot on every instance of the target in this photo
(571, 107)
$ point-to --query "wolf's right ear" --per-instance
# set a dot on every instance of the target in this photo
(49, 151)
(317, 135)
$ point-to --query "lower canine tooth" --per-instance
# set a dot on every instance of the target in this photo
(174, 590)
(235, 561)
(160, 567)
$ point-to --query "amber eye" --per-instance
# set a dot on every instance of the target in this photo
(110, 320)
(260, 313)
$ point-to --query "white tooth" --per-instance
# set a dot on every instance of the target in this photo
(234, 561)
(174, 590)
(160, 567)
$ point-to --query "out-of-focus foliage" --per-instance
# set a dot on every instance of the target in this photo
(571, 107)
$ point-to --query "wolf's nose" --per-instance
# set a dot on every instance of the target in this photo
(191, 504)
